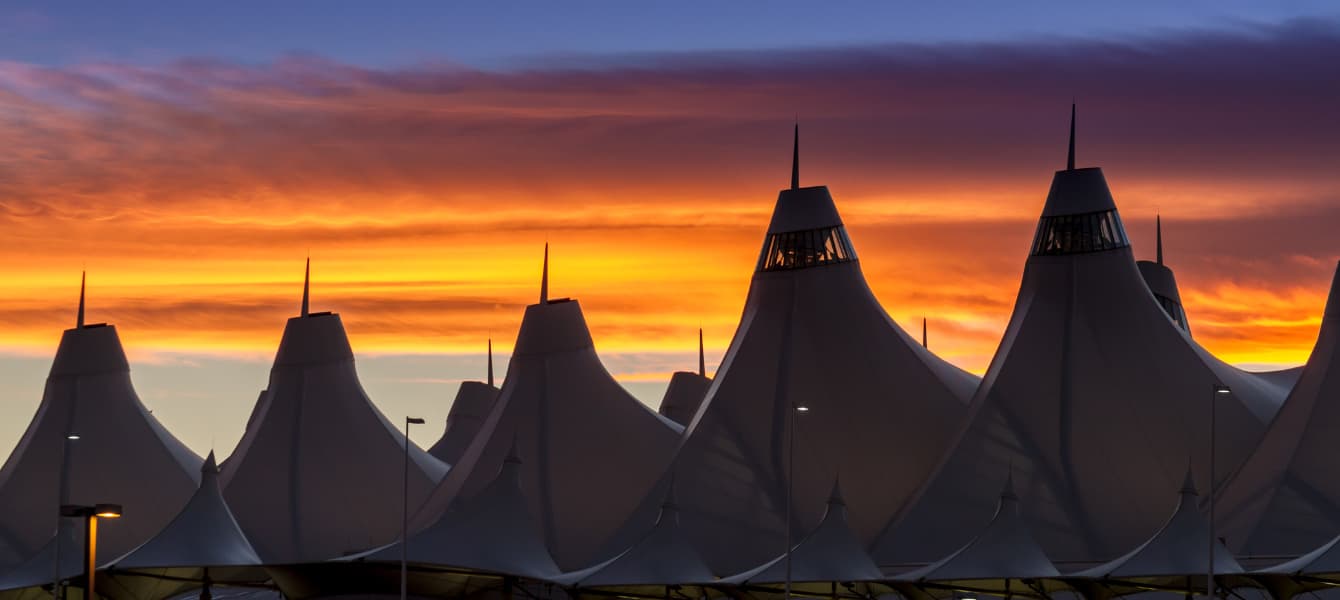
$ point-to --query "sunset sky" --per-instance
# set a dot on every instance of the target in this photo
(423, 156)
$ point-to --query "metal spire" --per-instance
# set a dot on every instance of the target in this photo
(306, 286)
(544, 277)
(702, 360)
(923, 334)
(795, 158)
(1158, 228)
(1070, 159)
(79, 320)
(490, 362)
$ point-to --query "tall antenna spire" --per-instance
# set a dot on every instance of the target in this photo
(795, 158)
(79, 320)
(490, 362)
(702, 360)
(1070, 159)
(544, 277)
(1158, 228)
(306, 286)
(923, 333)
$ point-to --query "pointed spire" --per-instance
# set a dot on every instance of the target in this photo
(1158, 235)
(702, 358)
(210, 466)
(835, 496)
(79, 319)
(795, 158)
(923, 334)
(490, 362)
(544, 277)
(306, 287)
(1070, 159)
(1189, 483)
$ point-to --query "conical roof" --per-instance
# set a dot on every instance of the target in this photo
(1005, 549)
(494, 531)
(1177, 548)
(473, 401)
(1088, 364)
(686, 390)
(831, 552)
(663, 557)
(812, 334)
(203, 534)
(313, 475)
(1163, 284)
(598, 449)
(1286, 500)
(122, 454)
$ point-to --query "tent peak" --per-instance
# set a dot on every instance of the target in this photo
(306, 288)
(79, 319)
(210, 466)
(1070, 158)
(490, 357)
(702, 357)
(795, 157)
(1158, 238)
(1188, 484)
(544, 277)
(835, 496)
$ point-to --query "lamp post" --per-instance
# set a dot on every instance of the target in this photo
(62, 494)
(1219, 389)
(90, 515)
(404, 515)
(796, 410)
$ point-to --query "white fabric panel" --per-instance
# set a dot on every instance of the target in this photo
(684, 396)
(472, 404)
(831, 552)
(318, 474)
(124, 456)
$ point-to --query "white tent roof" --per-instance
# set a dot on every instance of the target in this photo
(1286, 499)
(1178, 548)
(494, 531)
(1004, 550)
(123, 455)
(598, 449)
(472, 404)
(1163, 284)
(39, 568)
(663, 557)
(1095, 397)
(831, 552)
(812, 333)
(317, 473)
(684, 396)
(203, 534)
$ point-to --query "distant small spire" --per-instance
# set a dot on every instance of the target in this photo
(490, 362)
(306, 286)
(544, 276)
(1070, 160)
(923, 334)
(79, 319)
(702, 358)
(835, 496)
(210, 466)
(1158, 228)
(795, 158)
(1189, 482)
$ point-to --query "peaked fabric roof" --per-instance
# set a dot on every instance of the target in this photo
(203, 534)
(1094, 396)
(663, 557)
(812, 333)
(123, 454)
(1163, 284)
(313, 475)
(1005, 549)
(473, 401)
(1177, 548)
(1286, 500)
(831, 552)
(597, 448)
(40, 566)
(684, 396)
(494, 531)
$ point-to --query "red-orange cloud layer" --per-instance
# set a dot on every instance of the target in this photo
(193, 190)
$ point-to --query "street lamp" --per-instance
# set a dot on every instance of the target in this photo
(90, 515)
(404, 515)
(62, 494)
(798, 409)
(1218, 390)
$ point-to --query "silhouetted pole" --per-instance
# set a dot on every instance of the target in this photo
(404, 515)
